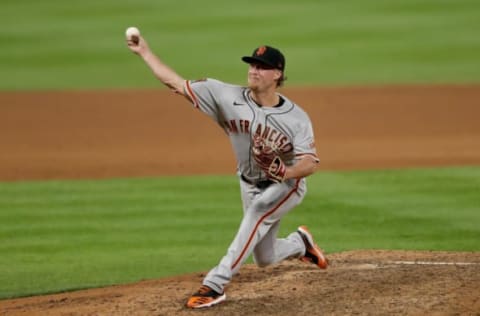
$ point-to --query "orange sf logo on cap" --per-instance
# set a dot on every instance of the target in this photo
(261, 50)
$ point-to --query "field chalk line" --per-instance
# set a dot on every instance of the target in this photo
(433, 263)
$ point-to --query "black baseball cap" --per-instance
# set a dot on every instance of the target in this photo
(266, 55)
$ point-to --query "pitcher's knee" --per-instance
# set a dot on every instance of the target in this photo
(262, 260)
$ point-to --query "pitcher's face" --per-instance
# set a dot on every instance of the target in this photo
(262, 77)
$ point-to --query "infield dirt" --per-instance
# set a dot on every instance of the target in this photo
(47, 135)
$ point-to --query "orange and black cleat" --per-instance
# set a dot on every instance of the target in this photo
(313, 253)
(205, 297)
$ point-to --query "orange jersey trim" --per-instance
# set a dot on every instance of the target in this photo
(191, 95)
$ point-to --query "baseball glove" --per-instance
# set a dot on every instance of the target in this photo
(268, 159)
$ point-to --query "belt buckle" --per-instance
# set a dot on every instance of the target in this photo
(264, 184)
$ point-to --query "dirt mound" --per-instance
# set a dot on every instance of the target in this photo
(356, 283)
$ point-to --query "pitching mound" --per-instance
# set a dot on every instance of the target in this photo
(357, 282)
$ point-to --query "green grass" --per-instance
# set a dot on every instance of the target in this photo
(80, 45)
(64, 235)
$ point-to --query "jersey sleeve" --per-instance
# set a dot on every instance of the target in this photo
(204, 95)
(304, 142)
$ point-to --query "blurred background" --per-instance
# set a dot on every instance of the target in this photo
(80, 44)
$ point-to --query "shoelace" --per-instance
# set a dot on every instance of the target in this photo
(204, 290)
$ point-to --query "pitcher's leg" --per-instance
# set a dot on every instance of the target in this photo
(271, 249)
(239, 250)
(258, 219)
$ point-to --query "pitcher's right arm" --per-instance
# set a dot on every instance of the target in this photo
(163, 72)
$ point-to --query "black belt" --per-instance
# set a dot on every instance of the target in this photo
(262, 184)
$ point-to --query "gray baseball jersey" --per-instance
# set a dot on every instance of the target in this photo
(286, 126)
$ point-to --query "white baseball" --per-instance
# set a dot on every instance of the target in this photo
(132, 34)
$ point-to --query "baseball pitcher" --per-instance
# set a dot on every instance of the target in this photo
(273, 141)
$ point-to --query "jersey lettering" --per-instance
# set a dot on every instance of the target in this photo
(266, 132)
(215, 99)
(236, 127)
(233, 127)
(245, 126)
(270, 134)
(280, 141)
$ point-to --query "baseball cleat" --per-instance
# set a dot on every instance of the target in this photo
(313, 253)
(205, 297)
